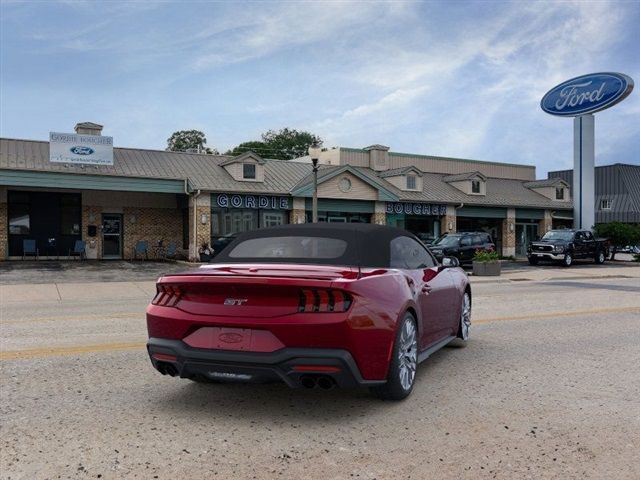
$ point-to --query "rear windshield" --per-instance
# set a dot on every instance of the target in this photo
(290, 247)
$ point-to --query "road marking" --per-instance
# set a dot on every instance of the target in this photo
(557, 314)
(114, 347)
(73, 350)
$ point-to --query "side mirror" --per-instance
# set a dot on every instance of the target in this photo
(449, 262)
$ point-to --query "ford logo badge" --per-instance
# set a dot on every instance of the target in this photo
(77, 150)
(230, 337)
(587, 94)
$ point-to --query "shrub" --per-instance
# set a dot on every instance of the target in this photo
(486, 256)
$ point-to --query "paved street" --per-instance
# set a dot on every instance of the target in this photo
(548, 388)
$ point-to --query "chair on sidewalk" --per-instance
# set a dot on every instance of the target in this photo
(80, 249)
(29, 248)
(172, 250)
(141, 248)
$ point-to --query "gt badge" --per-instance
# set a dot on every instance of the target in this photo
(235, 301)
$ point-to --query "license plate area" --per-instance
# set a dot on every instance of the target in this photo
(236, 339)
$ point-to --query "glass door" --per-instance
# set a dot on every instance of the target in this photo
(111, 235)
(525, 233)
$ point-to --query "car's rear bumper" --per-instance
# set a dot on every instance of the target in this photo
(294, 366)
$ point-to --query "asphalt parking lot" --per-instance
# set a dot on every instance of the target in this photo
(548, 388)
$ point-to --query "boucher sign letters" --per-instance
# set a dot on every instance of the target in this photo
(416, 208)
(80, 149)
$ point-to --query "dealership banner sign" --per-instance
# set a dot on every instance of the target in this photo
(587, 94)
(80, 149)
(224, 200)
(416, 208)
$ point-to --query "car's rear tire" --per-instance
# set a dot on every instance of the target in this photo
(464, 326)
(600, 257)
(567, 261)
(404, 362)
(533, 260)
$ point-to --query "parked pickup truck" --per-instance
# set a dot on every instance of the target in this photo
(567, 245)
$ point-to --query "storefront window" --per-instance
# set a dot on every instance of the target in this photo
(231, 221)
(19, 220)
(70, 214)
(19, 213)
(340, 217)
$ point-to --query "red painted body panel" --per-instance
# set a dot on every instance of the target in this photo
(272, 292)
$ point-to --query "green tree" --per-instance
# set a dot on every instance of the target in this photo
(283, 144)
(184, 140)
(619, 234)
(255, 146)
(289, 143)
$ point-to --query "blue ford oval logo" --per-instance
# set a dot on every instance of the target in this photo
(587, 94)
(82, 150)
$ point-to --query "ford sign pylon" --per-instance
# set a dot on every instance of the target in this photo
(580, 98)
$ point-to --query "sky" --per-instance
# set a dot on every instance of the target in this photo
(452, 78)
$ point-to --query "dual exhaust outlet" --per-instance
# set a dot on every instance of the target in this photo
(166, 368)
(324, 382)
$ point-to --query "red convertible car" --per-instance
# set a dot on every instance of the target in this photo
(315, 305)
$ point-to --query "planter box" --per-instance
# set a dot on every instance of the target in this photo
(486, 269)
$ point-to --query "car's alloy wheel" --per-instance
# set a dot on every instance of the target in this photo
(408, 355)
(465, 317)
(568, 260)
(600, 258)
(404, 362)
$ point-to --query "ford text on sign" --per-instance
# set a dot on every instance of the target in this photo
(587, 94)
(80, 149)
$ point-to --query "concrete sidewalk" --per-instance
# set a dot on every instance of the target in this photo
(70, 292)
(583, 271)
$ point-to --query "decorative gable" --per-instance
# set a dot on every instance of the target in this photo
(248, 167)
(345, 182)
(408, 179)
(553, 188)
(471, 183)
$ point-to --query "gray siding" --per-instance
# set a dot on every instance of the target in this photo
(618, 183)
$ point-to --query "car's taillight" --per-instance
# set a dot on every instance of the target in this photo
(167, 295)
(323, 300)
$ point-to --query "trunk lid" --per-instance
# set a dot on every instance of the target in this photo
(256, 291)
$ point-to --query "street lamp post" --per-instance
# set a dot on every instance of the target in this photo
(314, 153)
(315, 190)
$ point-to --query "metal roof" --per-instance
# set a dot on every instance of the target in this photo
(464, 176)
(205, 172)
(394, 172)
(202, 171)
(547, 182)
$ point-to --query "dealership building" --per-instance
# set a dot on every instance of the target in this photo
(79, 187)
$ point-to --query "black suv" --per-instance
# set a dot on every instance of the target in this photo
(461, 245)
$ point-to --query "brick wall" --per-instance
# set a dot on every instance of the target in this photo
(545, 224)
(203, 229)
(449, 219)
(4, 227)
(509, 234)
(152, 225)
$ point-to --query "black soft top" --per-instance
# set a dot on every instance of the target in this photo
(367, 244)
